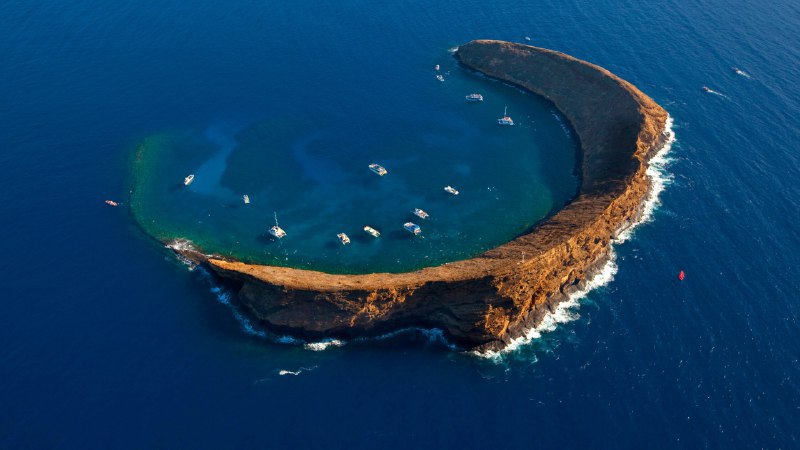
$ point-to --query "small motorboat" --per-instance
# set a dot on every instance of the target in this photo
(473, 98)
(505, 120)
(439, 77)
(343, 238)
(436, 67)
(741, 72)
(188, 180)
(372, 231)
(420, 213)
(450, 190)
(111, 203)
(246, 199)
(412, 228)
(527, 38)
(377, 168)
(708, 89)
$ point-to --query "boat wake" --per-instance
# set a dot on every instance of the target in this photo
(741, 73)
(566, 311)
(713, 92)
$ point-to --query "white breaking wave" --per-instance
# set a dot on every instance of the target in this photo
(323, 344)
(566, 310)
(283, 372)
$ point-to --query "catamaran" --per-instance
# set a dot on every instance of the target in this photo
(343, 237)
(188, 180)
(246, 199)
(412, 228)
(372, 231)
(474, 98)
(276, 230)
(378, 169)
(420, 213)
(505, 120)
(451, 190)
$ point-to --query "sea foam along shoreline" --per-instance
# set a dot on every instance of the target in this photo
(565, 311)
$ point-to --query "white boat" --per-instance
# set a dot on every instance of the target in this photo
(188, 180)
(451, 190)
(505, 120)
(343, 237)
(436, 67)
(412, 228)
(439, 77)
(372, 231)
(378, 169)
(474, 98)
(276, 230)
(420, 213)
(246, 199)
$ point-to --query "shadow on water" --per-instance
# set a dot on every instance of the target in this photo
(267, 239)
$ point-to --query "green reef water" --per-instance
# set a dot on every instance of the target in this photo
(309, 169)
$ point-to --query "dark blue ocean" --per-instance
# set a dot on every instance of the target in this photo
(106, 341)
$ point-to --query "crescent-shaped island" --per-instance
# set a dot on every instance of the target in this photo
(485, 302)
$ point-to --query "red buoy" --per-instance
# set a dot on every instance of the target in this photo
(681, 276)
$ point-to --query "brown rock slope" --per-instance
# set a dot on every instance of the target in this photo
(485, 301)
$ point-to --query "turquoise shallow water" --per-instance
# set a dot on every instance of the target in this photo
(310, 168)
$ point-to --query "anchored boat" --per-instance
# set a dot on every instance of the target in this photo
(276, 230)
(412, 228)
(420, 213)
(505, 120)
(372, 231)
(451, 190)
(343, 238)
(188, 180)
(472, 98)
(439, 77)
(377, 168)
(246, 199)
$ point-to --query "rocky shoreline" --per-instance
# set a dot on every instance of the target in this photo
(486, 302)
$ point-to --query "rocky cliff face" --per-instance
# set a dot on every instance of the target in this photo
(485, 301)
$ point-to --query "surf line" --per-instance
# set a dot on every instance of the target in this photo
(565, 311)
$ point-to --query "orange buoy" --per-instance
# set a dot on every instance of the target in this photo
(681, 276)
